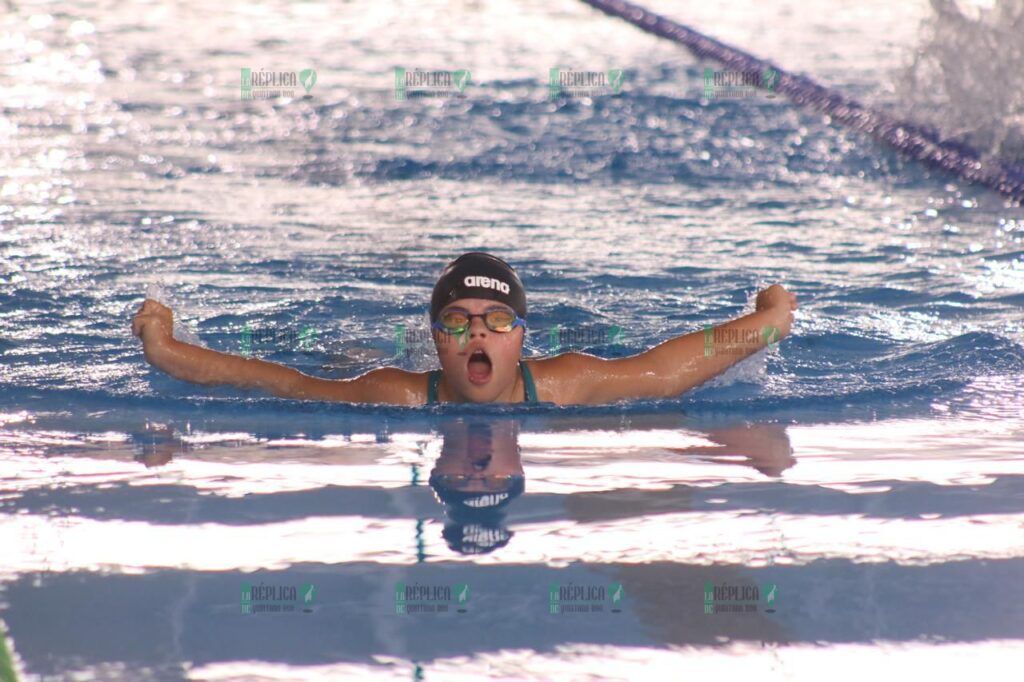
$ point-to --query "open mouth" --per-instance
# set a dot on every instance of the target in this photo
(479, 367)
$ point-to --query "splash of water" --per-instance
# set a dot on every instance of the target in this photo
(965, 78)
(158, 293)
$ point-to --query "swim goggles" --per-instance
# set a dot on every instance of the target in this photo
(457, 320)
(492, 482)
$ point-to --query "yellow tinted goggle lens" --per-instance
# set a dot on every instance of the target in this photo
(455, 320)
(499, 320)
(493, 482)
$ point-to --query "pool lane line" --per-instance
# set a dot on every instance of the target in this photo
(905, 136)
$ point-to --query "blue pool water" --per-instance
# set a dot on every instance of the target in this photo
(868, 473)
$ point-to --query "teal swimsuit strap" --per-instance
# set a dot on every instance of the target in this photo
(531, 390)
(434, 378)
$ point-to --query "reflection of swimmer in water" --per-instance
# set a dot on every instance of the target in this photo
(478, 312)
(479, 472)
(765, 447)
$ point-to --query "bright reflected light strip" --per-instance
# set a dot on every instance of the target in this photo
(739, 537)
(882, 660)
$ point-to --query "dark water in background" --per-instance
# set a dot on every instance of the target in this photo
(871, 468)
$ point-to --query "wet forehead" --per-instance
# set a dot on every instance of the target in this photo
(476, 305)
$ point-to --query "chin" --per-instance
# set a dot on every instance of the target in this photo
(481, 394)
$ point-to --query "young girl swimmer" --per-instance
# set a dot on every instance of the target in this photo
(478, 312)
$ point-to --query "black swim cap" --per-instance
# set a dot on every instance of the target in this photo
(476, 536)
(478, 275)
(477, 500)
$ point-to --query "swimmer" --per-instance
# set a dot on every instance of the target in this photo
(478, 320)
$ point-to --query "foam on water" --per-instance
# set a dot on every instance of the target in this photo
(158, 293)
(965, 77)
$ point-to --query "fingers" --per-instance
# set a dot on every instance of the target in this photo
(790, 296)
(139, 320)
(146, 311)
(156, 308)
(151, 306)
(137, 323)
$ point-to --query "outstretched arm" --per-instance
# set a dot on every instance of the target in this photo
(154, 324)
(679, 364)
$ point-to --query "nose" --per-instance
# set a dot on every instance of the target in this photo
(482, 462)
(477, 327)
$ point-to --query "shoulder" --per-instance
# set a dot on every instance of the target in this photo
(397, 386)
(565, 379)
(559, 365)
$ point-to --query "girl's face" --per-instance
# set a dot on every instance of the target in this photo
(480, 365)
(478, 450)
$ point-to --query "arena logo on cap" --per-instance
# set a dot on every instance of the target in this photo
(486, 283)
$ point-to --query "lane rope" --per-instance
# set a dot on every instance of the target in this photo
(905, 136)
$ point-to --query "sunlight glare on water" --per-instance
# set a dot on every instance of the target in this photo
(869, 471)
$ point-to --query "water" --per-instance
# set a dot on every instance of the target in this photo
(871, 468)
(964, 77)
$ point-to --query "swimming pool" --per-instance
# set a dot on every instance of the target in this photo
(864, 481)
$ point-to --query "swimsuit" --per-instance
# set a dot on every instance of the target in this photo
(434, 378)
